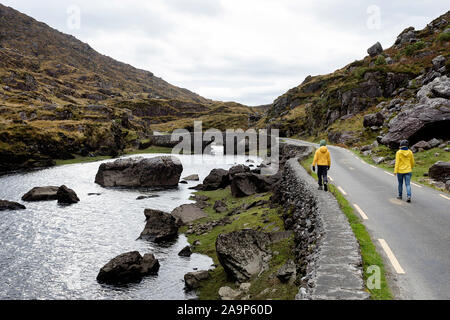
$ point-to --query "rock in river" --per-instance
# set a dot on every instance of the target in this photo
(163, 171)
(160, 226)
(41, 194)
(66, 195)
(128, 267)
(10, 205)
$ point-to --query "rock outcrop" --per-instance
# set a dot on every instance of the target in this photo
(160, 226)
(66, 195)
(128, 267)
(41, 194)
(163, 171)
(10, 205)
(426, 119)
(243, 253)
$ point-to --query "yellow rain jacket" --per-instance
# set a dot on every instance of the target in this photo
(404, 161)
(322, 157)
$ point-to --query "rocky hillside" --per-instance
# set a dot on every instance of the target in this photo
(398, 93)
(60, 98)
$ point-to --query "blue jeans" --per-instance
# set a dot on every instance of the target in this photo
(407, 178)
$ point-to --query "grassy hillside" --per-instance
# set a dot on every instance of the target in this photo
(60, 99)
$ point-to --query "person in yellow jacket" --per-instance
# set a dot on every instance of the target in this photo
(404, 163)
(323, 160)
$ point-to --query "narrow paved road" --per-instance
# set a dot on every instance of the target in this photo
(416, 246)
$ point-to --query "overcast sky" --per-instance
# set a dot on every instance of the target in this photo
(249, 51)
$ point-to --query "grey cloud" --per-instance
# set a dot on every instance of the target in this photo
(196, 7)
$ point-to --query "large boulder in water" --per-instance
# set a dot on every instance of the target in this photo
(128, 267)
(10, 205)
(160, 226)
(66, 195)
(243, 253)
(163, 171)
(41, 194)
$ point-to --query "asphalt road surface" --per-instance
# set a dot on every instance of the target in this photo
(413, 238)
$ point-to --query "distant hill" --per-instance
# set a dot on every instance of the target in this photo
(60, 98)
(377, 97)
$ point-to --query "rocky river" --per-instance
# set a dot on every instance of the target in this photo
(52, 251)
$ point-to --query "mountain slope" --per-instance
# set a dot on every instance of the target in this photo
(60, 98)
(333, 106)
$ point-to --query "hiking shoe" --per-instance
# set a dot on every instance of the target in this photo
(320, 188)
(408, 200)
(399, 198)
(325, 187)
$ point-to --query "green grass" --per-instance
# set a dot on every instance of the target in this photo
(369, 253)
(78, 159)
(424, 160)
(253, 218)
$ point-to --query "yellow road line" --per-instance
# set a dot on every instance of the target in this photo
(362, 214)
(372, 166)
(445, 197)
(416, 185)
(342, 191)
(391, 257)
(331, 179)
(389, 173)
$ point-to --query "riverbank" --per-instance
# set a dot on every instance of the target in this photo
(264, 216)
(78, 159)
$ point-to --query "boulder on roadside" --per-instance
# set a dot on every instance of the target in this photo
(128, 267)
(66, 195)
(187, 213)
(378, 160)
(41, 194)
(440, 171)
(192, 177)
(421, 145)
(243, 253)
(10, 205)
(240, 168)
(434, 143)
(160, 226)
(192, 279)
(216, 179)
(162, 171)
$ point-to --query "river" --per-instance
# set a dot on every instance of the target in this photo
(49, 251)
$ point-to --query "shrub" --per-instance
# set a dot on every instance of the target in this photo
(444, 36)
(380, 61)
(413, 47)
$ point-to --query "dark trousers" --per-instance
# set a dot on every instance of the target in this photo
(322, 174)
